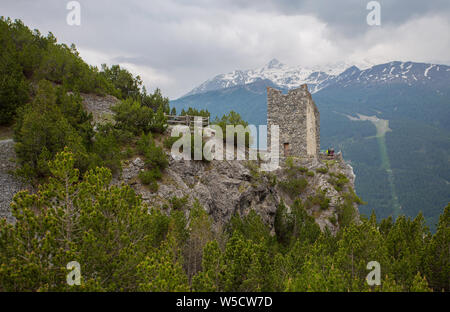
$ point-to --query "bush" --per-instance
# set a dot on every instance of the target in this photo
(294, 187)
(168, 142)
(233, 119)
(320, 199)
(333, 219)
(106, 149)
(178, 203)
(295, 225)
(122, 80)
(302, 169)
(156, 100)
(42, 130)
(154, 155)
(155, 161)
(322, 170)
(131, 116)
(14, 89)
(149, 177)
(338, 181)
(293, 170)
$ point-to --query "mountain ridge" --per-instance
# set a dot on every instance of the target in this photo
(318, 78)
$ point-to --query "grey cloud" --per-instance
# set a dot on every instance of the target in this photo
(177, 44)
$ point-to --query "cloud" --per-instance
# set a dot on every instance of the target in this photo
(177, 44)
(424, 39)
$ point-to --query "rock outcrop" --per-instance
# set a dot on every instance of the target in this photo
(229, 187)
(9, 184)
(99, 106)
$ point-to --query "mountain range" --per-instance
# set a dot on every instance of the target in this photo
(319, 78)
(391, 121)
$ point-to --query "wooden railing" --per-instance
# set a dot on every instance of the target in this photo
(173, 120)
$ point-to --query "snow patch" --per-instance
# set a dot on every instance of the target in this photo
(426, 70)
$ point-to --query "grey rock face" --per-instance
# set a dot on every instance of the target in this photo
(99, 106)
(225, 188)
(9, 185)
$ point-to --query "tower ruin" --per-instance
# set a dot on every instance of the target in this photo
(298, 119)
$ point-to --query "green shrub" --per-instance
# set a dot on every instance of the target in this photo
(355, 197)
(146, 177)
(42, 130)
(178, 203)
(333, 219)
(233, 119)
(346, 213)
(122, 80)
(168, 142)
(310, 173)
(252, 166)
(106, 150)
(297, 225)
(283, 224)
(294, 187)
(156, 100)
(322, 170)
(320, 199)
(14, 89)
(150, 177)
(131, 115)
(338, 181)
(302, 169)
(127, 153)
(290, 162)
(293, 170)
(154, 155)
(272, 179)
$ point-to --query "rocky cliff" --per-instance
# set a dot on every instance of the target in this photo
(229, 187)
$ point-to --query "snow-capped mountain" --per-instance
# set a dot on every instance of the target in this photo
(275, 71)
(318, 78)
(409, 73)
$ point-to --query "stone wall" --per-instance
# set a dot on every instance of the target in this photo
(298, 119)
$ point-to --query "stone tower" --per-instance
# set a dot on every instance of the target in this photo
(298, 119)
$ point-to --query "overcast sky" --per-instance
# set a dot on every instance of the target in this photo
(178, 44)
